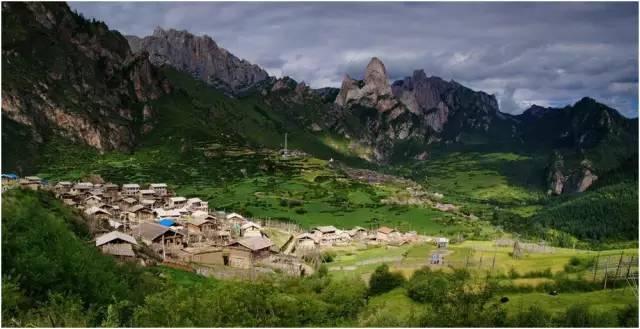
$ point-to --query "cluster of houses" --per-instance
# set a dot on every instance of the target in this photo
(186, 229)
(330, 236)
(174, 227)
(12, 180)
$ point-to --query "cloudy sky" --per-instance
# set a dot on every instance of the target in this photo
(549, 54)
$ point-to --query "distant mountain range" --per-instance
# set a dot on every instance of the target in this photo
(70, 77)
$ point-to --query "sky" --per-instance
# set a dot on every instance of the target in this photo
(549, 54)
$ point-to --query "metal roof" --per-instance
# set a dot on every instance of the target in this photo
(113, 236)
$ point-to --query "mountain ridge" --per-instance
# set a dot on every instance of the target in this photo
(201, 57)
(377, 120)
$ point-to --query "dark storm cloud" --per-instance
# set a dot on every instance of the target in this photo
(525, 53)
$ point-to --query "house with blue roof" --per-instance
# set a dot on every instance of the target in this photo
(168, 222)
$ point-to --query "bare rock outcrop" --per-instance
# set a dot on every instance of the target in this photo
(201, 57)
(89, 88)
(374, 91)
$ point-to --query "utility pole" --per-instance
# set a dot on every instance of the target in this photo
(595, 266)
(618, 268)
(285, 154)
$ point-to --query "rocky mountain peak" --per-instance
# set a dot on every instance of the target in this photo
(373, 92)
(201, 57)
(376, 77)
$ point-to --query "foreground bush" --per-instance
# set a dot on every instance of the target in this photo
(382, 280)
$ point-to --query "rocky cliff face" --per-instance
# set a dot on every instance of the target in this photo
(563, 180)
(373, 92)
(422, 109)
(201, 57)
(66, 76)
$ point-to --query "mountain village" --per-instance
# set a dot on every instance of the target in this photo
(151, 224)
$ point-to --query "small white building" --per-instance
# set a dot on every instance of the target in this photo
(442, 242)
(130, 189)
(160, 189)
(177, 202)
(195, 204)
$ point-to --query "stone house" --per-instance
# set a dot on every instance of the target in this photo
(140, 213)
(31, 182)
(82, 187)
(127, 203)
(177, 202)
(195, 204)
(62, 187)
(208, 255)
(146, 195)
(160, 189)
(247, 252)
(130, 189)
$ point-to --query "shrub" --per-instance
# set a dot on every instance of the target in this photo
(346, 297)
(328, 256)
(534, 316)
(628, 316)
(428, 287)
(382, 280)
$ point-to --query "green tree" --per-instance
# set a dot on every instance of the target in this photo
(382, 280)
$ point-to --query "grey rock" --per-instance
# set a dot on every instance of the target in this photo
(201, 57)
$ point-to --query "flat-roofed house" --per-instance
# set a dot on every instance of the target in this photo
(177, 202)
(82, 187)
(31, 182)
(442, 242)
(63, 187)
(140, 213)
(171, 213)
(195, 204)
(160, 189)
(111, 193)
(110, 187)
(130, 189)
(246, 252)
(250, 229)
(117, 244)
(146, 195)
(127, 203)
(149, 203)
(208, 255)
